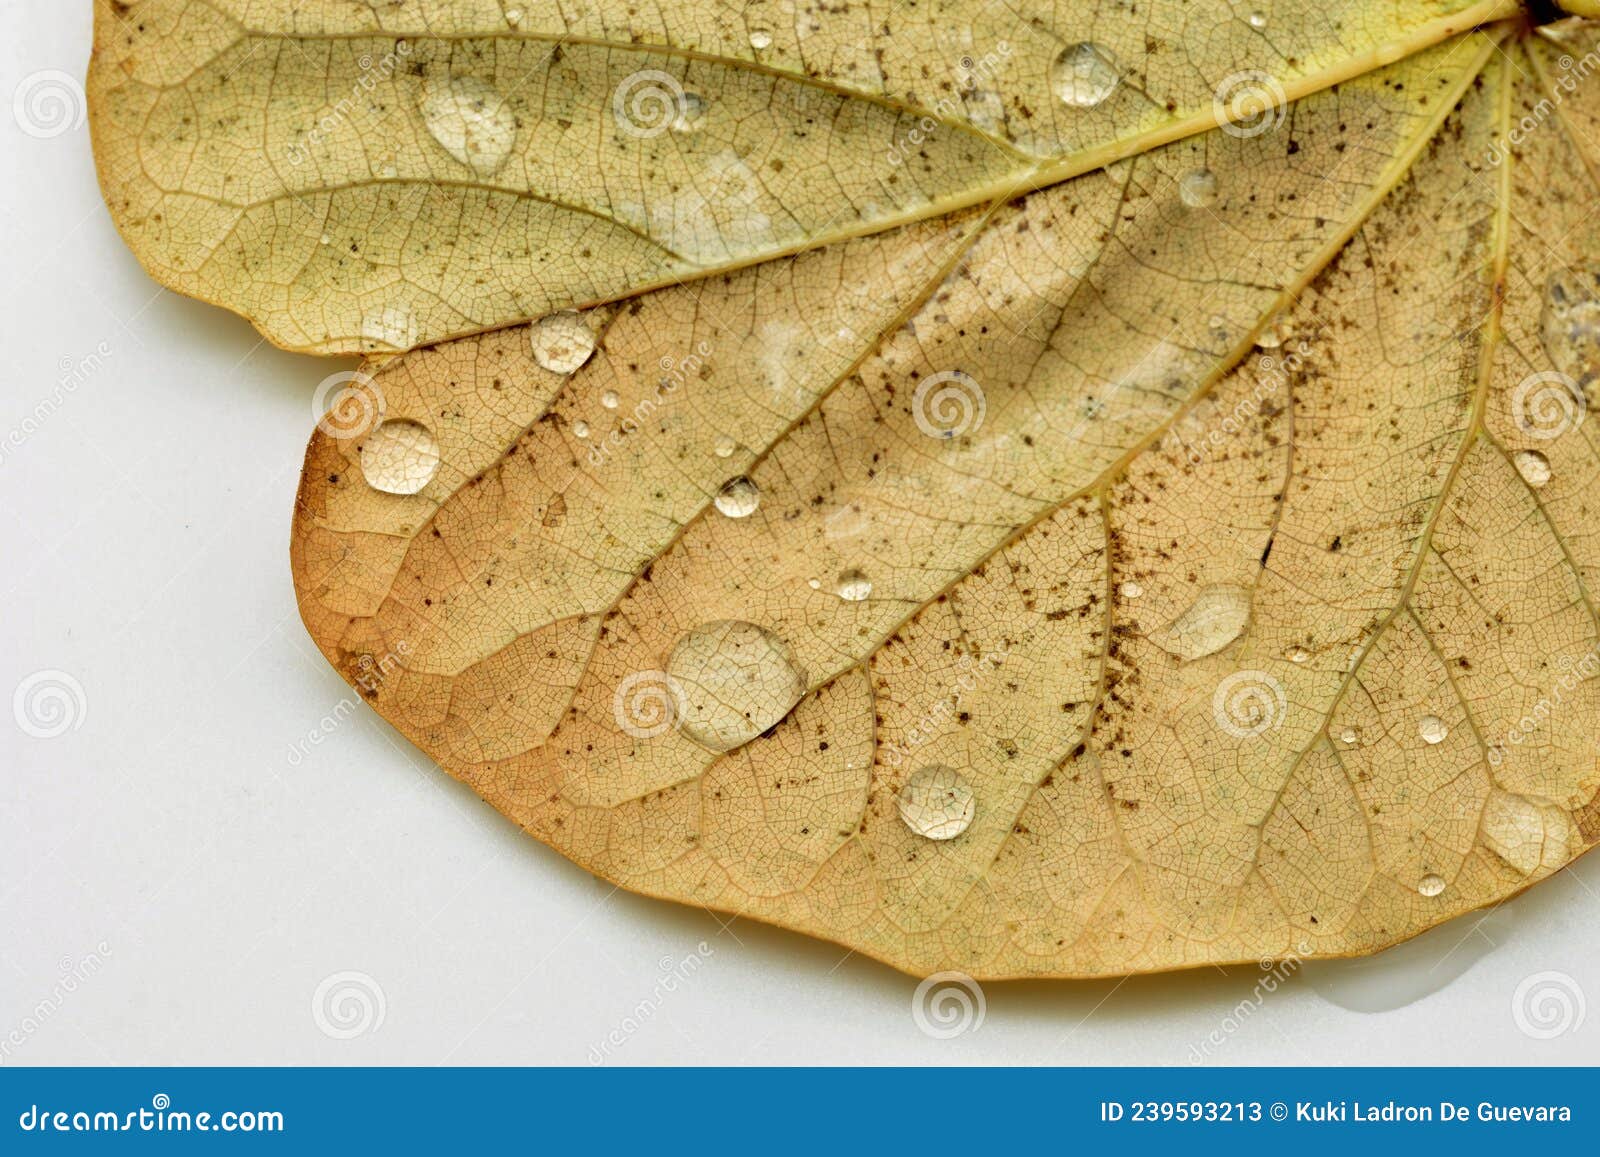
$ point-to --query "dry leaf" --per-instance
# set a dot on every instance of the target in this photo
(1183, 563)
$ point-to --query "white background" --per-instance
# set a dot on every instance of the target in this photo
(145, 554)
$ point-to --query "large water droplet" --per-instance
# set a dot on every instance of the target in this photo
(738, 498)
(399, 457)
(562, 342)
(1083, 75)
(1528, 834)
(1216, 618)
(735, 680)
(1533, 466)
(937, 802)
(471, 120)
(1198, 189)
(1431, 885)
(1432, 729)
(1569, 324)
(853, 586)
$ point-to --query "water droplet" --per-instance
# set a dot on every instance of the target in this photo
(1299, 655)
(389, 328)
(937, 802)
(691, 113)
(1216, 618)
(1432, 729)
(325, 239)
(1431, 885)
(562, 342)
(399, 457)
(1533, 466)
(513, 16)
(738, 497)
(471, 120)
(853, 586)
(760, 39)
(1529, 834)
(610, 400)
(1258, 19)
(1083, 75)
(815, 584)
(735, 680)
(1569, 324)
(1198, 188)
(1130, 590)
(580, 428)
(1275, 333)
(724, 448)
(1349, 735)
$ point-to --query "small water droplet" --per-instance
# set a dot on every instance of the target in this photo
(513, 16)
(734, 681)
(1216, 618)
(325, 239)
(1298, 655)
(1083, 75)
(471, 121)
(580, 428)
(1533, 466)
(562, 342)
(1432, 729)
(610, 400)
(1275, 333)
(399, 457)
(738, 498)
(1198, 188)
(815, 584)
(1349, 735)
(1258, 19)
(725, 447)
(1431, 885)
(853, 586)
(1130, 590)
(760, 39)
(937, 802)
(1569, 323)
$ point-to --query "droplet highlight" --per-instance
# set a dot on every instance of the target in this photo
(471, 121)
(1432, 729)
(734, 681)
(1216, 618)
(1533, 466)
(1083, 75)
(399, 457)
(738, 498)
(562, 342)
(937, 802)
(1198, 189)
(1431, 885)
(853, 586)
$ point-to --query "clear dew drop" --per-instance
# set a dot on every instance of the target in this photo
(1349, 735)
(1569, 323)
(815, 584)
(1275, 333)
(325, 239)
(399, 457)
(610, 400)
(937, 802)
(1257, 19)
(724, 447)
(733, 680)
(1198, 189)
(1533, 466)
(853, 586)
(1298, 654)
(562, 342)
(760, 39)
(1083, 75)
(1432, 729)
(513, 16)
(580, 428)
(738, 498)
(1130, 590)
(1216, 618)
(1431, 885)
(471, 121)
